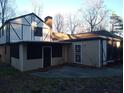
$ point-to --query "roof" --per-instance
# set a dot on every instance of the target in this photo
(36, 42)
(106, 34)
(84, 36)
(21, 17)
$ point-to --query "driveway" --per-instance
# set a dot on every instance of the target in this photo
(69, 71)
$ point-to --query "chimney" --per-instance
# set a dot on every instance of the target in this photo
(48, 21)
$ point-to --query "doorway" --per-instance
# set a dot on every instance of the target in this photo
(47, 54)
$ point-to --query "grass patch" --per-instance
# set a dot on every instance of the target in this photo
(14, 81)
(6, 70)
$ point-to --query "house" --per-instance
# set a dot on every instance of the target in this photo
(28, 43)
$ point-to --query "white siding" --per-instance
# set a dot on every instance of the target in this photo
(23, 27)
(3, 35)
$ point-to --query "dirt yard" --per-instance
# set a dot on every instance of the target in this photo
(13, 81)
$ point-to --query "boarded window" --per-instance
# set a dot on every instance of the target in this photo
(56, 51)
(34, 51)
(38, 31)
(15, 51)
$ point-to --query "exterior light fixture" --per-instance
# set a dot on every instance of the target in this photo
(118, 44)
(33, 25)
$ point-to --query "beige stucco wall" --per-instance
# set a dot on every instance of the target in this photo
(91, 53)
(32, 64)
(90, 56)
(38, 63)
(57, 61)
(28, 64)
(16, 63)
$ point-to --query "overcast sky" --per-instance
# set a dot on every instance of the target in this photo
(52, 7)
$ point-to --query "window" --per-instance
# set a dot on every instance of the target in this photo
(56, 50)
(38, 31)
(77, 48)
(15, 51)
(78, 58)
(34, 51)
(77, 53)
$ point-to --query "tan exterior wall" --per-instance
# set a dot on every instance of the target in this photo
(90, 56)
(16, 63)
(29, 64)
(57, 61)
(91, 53)
(32, 64)
(24, 64)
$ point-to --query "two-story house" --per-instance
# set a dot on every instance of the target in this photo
(27, 43)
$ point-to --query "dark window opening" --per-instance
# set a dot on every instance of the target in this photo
(56, 51)
(15, 51)
(78, 58)
(77, 48)
(112, 51)
(38, 31)
(34, 51)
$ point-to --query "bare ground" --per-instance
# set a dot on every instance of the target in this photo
(13, 81)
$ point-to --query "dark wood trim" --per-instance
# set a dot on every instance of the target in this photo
(19, 24)
(15, 32)
(22, 31)
(27, 21)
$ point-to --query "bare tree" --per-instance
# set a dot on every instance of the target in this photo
(37, 7)
(6, 11)
(59, 23)
(95, 14)
(72, 23)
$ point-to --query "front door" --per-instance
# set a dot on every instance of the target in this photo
(47, 56)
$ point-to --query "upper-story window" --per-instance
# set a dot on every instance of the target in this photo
(38, 31)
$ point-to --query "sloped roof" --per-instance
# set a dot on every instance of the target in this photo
(88, 35)
(106, 34)
(21, 17)
(25, 16)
